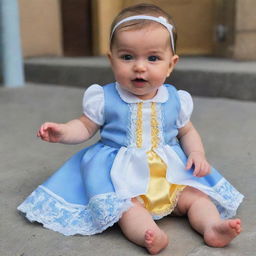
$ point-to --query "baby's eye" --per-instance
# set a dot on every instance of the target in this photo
(153, 58)
(126, 57)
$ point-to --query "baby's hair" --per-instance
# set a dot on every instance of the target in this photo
(140, 9)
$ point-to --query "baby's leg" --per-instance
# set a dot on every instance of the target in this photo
(204, 218)
(139, 227)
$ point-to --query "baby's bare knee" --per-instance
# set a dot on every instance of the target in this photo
(188, 197)
(196, 194)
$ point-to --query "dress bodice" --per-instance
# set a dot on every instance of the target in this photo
(133, 124)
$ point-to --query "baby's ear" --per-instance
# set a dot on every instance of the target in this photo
(110, 58)
(109, 55)
(174, 60)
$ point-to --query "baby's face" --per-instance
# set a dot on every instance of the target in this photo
(142, 59)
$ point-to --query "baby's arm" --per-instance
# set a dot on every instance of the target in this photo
(73, 132)
(193, 147)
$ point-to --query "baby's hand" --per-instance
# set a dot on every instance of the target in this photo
(51, 132)
(198, 160)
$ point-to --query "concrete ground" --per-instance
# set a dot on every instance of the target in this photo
(226, 126)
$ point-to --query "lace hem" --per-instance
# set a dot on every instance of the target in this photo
(55, 213)
(226, 198)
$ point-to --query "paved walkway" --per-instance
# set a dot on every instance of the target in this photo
(226, 126)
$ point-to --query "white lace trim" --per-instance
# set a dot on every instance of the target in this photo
(56, 214)
(226, 198)
(131, 134)
(160, 124)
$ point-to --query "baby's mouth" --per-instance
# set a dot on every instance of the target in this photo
(140, 80)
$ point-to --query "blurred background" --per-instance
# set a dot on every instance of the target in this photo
(223, 28)
(64, 42)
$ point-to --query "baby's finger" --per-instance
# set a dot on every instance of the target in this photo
(40, 132)
(201, 171)
(189, 164)
(43, 136)
(46, 126)
(205, 170)
(43, 128)
(197, 169)
(43, 131)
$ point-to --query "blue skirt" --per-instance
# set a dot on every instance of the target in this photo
(80, 198)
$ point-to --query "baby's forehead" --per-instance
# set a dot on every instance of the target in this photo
(143, 29)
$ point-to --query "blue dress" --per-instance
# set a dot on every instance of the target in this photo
(92, 190)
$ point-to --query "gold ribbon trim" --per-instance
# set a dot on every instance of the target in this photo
(161, 197)
(139, 125)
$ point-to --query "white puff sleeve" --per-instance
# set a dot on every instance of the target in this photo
(186, 108)
(93, 104)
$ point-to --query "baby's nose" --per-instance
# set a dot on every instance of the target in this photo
(139, 66)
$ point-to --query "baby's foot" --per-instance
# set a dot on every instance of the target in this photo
(222, 233)
(155, 242)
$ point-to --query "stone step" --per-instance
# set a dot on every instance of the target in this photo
(201, 76)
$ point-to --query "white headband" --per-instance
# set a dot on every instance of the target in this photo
(160, 20)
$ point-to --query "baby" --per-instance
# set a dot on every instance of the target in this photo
(149, 162)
